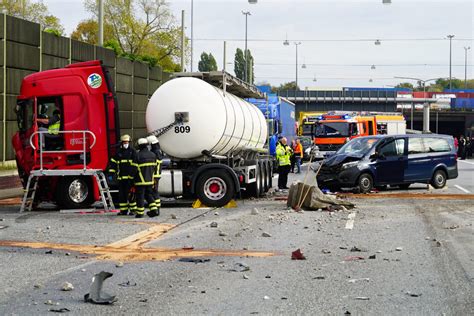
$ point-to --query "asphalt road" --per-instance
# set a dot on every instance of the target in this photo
(432, 272)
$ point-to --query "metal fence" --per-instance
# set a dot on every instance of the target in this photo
(25, 49)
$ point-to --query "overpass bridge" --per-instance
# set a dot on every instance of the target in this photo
(444, 121)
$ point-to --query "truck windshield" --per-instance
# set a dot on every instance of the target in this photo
(24, 114)
(332, 129)
(358, 146)
(307, 129)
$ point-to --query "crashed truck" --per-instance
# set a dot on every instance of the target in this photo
(214, 139)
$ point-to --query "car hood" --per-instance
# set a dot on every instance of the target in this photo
(336, 159)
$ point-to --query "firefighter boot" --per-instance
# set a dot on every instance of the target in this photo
(153, 213)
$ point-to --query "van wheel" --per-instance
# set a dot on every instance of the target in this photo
(365, 183)
(75, 192)
(439, 179)
(215, 188)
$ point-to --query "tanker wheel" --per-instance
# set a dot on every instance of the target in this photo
(254, 189)
(75, 192)
(265, 177)
(270, 175)
(215, 188)
(261, 176)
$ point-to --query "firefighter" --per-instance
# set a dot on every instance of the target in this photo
(283, 154)
(156, 149)
(122, 166)
(146, 169)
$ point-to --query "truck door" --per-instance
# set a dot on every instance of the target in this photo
(391, 162)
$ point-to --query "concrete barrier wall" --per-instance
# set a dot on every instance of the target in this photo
(25, 49)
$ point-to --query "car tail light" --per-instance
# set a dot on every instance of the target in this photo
(241, 178)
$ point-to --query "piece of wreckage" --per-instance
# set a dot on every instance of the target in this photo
(310, 197)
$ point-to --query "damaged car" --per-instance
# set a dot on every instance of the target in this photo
(399, 160)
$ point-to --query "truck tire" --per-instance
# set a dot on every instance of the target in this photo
(365, 183)
(438, 181)
(261, 175)
(215, 188)
(254, 188)
(75, 192)
(270, 175)
(266, 185)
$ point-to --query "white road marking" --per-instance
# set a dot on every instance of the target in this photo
(462, 189)
(471, 163)
(350, 220)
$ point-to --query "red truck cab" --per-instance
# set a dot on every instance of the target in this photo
(88, 131)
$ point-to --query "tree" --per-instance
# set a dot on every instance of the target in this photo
(35, 12)
(207, 62)
(239, 66)
(239, 63)
(142, 29)
(286, 86)
(87, 31)
(405, 85)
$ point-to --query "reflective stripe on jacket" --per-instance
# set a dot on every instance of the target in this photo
(156, 149)
(123, 164)
(283, 153)
(54, 125)
(146, 167)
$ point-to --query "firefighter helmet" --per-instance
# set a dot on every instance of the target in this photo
(152, 139)
(142, 141)
(125, 138)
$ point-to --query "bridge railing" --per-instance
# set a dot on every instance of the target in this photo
(323, 94)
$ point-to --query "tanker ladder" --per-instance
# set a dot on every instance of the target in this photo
(32, 184)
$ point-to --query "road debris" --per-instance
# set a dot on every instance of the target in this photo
(362, 298)
(453, 227)
(412, 294)
(213, 224)
(354, 258)
(254, 211)
(59, 310)
(128, 284)
(67, 287)
(119, 264)
(358, 280)
(265, 234)
(297, 255)
(173, 216)
(319, 277)
(246, 277)
(325, 251)
(399, 248)
(266, 297)
(240, 267)
(309, 197)
(50, 302)
(194, 260)
(95, 295)
(223, 234)
(357, 249)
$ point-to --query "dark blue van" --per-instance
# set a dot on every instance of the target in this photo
(396, 160)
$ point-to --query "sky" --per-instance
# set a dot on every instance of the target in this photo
(337, 38)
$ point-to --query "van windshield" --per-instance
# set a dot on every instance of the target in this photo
(358, 146)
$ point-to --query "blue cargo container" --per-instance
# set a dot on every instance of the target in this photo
(280, 116)
(462, 103)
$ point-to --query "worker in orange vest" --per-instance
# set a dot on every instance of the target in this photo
(298, 152)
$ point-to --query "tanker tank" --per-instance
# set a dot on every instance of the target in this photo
(218, 122)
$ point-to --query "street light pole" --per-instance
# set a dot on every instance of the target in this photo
(246, 13)
(101, 23)
(465, 66)
(192, 33)
(296, 82)
(450, 60)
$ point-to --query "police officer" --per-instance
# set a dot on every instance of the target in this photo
(146, 169)
(283, 154)
(122, 165)
(156, 149)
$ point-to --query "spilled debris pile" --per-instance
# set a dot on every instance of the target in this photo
(311, 198)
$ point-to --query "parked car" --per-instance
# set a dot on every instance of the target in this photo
(396, 160)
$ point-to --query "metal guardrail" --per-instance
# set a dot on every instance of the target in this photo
(42, 151)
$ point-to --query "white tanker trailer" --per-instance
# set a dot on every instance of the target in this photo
(214, 139)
